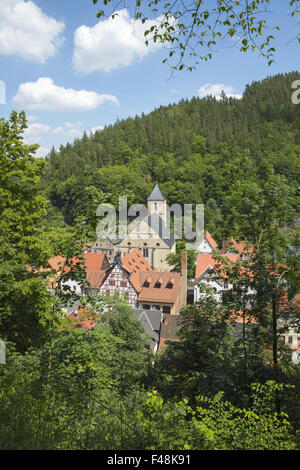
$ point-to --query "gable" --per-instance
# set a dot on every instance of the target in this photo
(117, 280)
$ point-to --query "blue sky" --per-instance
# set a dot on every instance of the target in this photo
(73, 73)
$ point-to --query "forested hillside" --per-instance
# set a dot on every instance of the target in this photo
(195, 149)
(62, 387)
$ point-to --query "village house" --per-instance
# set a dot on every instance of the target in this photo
(145, 288)
(206, 244)
(95, 265)
(207, 274)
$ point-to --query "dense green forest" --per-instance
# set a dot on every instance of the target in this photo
(65, 388)
(195, 149)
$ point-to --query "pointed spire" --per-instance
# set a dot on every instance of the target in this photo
(156, 194)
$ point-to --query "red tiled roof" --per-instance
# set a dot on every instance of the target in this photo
(95, 278)
(93, 261)
(57, 263)
(210, 240)
(232, 245)
(134, 262)
(206, 260)
(162, 293)
(83, 319)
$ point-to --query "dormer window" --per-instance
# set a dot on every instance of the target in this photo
(169, 285)
(157, 285)
(146, 284)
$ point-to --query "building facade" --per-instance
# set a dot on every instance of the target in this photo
(150, 235)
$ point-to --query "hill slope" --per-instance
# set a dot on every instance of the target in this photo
(195, 149)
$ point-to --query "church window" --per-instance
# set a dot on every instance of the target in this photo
(145, 252)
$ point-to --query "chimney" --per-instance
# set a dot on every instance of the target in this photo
(117, 258)
(184, 278)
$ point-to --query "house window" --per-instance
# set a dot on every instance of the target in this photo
(123, 284)
(166, 309)
(157, 307)
(146, 307)
(111, 283)
(290, 339)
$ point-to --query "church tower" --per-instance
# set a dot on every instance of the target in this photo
(157, 202)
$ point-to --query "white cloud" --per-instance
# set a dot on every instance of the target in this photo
(69, 129)
(96, 128)
(41, 152)
(33, 135)
(44, 95)
(27, 32)
(216, 90)
(111, 43)
(34, 132)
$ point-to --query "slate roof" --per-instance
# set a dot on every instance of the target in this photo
(156, 194)
(151, 323)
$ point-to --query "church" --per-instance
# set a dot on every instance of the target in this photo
(150, 235)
